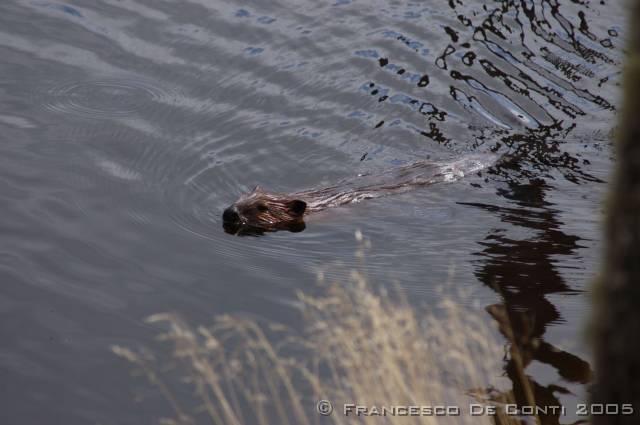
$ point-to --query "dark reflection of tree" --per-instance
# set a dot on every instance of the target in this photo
(512, 43)
(523, 273)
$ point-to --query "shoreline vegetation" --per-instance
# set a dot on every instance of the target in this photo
(362, 351)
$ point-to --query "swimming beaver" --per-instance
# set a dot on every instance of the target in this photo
(261, 211)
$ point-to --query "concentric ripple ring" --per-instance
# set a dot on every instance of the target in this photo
(101, 99)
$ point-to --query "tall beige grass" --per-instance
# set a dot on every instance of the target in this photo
(358, 346)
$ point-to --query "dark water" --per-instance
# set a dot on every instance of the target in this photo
(127, 126)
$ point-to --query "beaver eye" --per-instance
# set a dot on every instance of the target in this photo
(262, 208)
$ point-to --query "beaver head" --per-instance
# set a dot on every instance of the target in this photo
(261, 211)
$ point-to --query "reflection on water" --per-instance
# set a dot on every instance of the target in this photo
(523, 273)
(128, 126)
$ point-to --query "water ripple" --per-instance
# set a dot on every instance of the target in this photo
(102, 99)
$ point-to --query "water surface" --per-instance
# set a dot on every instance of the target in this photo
(127, 127)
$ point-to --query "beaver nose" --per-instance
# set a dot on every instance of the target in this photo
(230, 215)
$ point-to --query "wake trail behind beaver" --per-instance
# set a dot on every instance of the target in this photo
(394, 180)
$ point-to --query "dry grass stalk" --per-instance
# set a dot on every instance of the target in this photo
(359, 347)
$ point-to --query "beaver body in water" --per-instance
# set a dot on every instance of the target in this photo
(261, 211)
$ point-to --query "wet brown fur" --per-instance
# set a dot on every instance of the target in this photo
(269, 210)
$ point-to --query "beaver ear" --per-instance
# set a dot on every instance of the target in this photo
(296, 207)
(257, 189)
